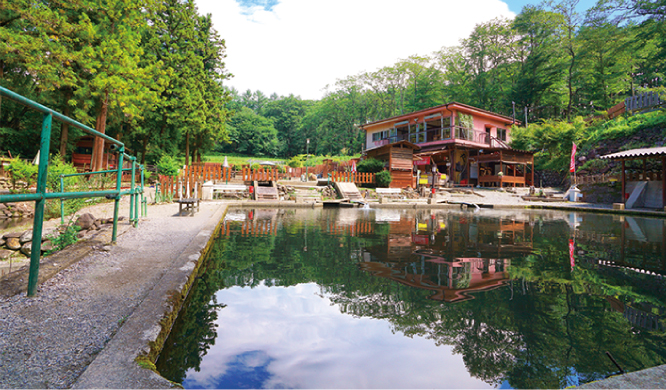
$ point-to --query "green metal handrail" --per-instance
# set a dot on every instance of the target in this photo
(40, 196)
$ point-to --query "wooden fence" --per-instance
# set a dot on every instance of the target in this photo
(259, 174)
(603, 178)
(643, 102)
(353, 177)
(193, 176)
(629, 176)
(209, 171)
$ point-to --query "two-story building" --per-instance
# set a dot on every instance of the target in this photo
(468, 144)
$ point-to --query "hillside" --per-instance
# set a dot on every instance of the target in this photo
(552, 140)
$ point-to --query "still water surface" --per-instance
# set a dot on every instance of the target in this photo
(348, 298)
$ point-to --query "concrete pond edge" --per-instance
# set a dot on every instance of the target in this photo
(128, 359)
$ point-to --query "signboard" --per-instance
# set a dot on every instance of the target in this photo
(424, 161)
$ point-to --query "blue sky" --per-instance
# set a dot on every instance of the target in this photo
(517, 5)
(302, 46)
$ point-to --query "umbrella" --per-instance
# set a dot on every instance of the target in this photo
(226, 163)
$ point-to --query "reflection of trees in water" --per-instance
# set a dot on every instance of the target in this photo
(549, 327)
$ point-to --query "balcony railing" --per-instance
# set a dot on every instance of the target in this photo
(445, 133)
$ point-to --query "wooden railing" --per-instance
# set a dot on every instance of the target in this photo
(353, 177)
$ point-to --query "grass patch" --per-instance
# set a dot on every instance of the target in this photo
(247, 160)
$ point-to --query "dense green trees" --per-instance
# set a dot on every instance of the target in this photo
(550, 59)
(150, 71)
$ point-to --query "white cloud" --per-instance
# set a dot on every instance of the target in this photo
(304, 341)
(300, 46)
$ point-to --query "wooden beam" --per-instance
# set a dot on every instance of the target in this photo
(624, 177)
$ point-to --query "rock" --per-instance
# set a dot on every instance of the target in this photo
(49, 232)
(12, 235)
(5, 253)
(26, 236)
(13, 243)
(85, 221)
(2, 241)
(47, 246)
(26, 249)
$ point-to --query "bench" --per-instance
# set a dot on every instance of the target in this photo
(388, 191)
(189, 204)
(209, 189)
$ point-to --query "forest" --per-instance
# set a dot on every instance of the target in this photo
(152, 73)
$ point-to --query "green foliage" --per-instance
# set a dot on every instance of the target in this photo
(168, 166)
(551, 140)
(21, 170)
(296, 161)
(252, 134)
(64, 239)
(57, 167)
(370, 165)
(383, 178)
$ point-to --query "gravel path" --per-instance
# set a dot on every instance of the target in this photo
(47, 341)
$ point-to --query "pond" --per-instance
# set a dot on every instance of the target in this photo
(349, 298)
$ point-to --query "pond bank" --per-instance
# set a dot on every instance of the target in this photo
(93, 319)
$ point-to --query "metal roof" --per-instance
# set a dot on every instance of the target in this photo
(636, 153)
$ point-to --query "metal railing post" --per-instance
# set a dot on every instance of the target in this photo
(131, 205)
(144, 206)
(116, 206)
(36, 248)
(135, 191)
(62, 200)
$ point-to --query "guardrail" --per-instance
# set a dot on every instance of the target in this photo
(41, 195)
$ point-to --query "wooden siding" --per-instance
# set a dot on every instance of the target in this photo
(401, 179)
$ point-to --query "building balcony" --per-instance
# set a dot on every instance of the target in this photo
(444, 135)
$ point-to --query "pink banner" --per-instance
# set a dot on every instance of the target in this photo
(424, 161)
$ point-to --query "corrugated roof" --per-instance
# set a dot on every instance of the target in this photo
(636, 153)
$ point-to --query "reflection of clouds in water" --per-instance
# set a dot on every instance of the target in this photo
(291, 337)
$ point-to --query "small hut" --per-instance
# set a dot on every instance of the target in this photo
(398, 158)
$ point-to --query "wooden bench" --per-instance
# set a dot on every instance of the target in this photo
(189, 203)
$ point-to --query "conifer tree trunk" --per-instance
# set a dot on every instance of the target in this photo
(100, 126)
(187, 148)
(64, 134)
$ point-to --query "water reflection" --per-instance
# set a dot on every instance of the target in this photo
(523, 300)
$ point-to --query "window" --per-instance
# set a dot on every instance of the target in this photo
(501, 134)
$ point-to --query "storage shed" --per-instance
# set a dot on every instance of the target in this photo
(398, 158)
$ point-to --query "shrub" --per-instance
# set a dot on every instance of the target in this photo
(383, 178)
(296, 161)
(168, 166)
(370, 165)
(21, 170)
(57, 167)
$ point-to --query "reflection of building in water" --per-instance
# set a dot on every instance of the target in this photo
(253, 222)
(643, 315)
(452, 255)
(636, 244)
